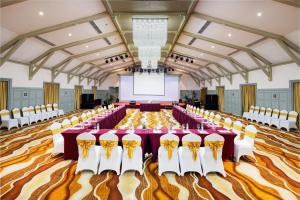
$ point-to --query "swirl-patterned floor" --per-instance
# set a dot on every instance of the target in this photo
(29, 172)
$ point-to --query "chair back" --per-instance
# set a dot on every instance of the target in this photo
(93, 113)
(211, 116)
(206, 114)
(31, 110)
(55, 106)
(249, 134)
(109, 142)
(193, 143)
(256, 110)
(74, 120)
(130, 143)
(86, 143)
(49, 107)
(55, 128)
(293, 116)
(268, 112)
(37, 109)
(16, 113)
(83, 117)
(283, 114)
(88, 114)
(66, 123)
(5, 114)
(213, 144)
(237, 127)
(275, 113)
(262, 110)
(227, 123)
(251, 110)
(217, 119)
(201, 112)
(170, 142)
(25, 111)
(43, 108)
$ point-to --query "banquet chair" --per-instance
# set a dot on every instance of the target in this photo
(206, 114)
(227, 123)
(74, 120)
(262, 111)
(7, 121)
(198, 111)
(267, 114)
(93, 113)
(168, 154)
(201, 112)
(289, 123)
(43, 108)
(83, 117)
(217, 120)
(66, 123)
(44, 116)
(132, 158)
(110, 153)
(246, 114)
(274, 115)
(211, 154)
(237, 128)
(189, 154)
(88, 114)
(58, 139)
(282, 116)
(244, 144)
(51, 111)
(26, 113)
(60, 112)
(211, 116)
(37, 116)
(254, 114)
(88, 153)
(21, 120)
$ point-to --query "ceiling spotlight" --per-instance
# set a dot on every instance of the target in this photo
(229, 35)
(106, 61)
(186, 60)
(121, 57)
(126, 70)
(181, 58)
(87, 46)
(173, 70)
(116, 58)
(126, 56)
(111, 60)
(70, 34)
(41, 13)
(176, 57)
(192, 61)
(259, 14)
(141, 70)
(212, 46)
(172, 55)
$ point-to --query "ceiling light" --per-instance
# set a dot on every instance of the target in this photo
(201, 54)
(70, 34)
(229, 35)
(98, 54)
(106, 61)
(259, 14)
(41, 13)
(111, 60)
(87, 46)
(212, 46)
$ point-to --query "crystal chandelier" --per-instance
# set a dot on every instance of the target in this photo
(149, 35)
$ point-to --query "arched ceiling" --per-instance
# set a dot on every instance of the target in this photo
(223, 37)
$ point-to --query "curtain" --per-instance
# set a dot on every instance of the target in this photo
(94, 88)
(203, 94)
(220, 93)
(248, 96)
(296, 100)
(51, 93)
(78, 93)
(3, 94)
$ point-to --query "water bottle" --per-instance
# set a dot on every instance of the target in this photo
(202, 128)
(187, 126)
(98, 127)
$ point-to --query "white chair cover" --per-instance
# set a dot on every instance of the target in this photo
(38, 110)
(83, 117)
(21, 120)
(58, 139)
(58, 111)
(282, 116)
(89, 153)
(135, 162)
(113, 162)
(206, 114)
(251, 116)
(217, 119)
(262, 111)
(66, 123)
(261, 118)
(26, 113)
(189, 154)
(211, 116)
(274, 115)
(227, 123)
(74, 120)
(7, 121)
(37, 116)
(291, 122)
(48, 114)
(166, 163)
(51, 111)
(210, 163)
(89, 114)
(246, 114)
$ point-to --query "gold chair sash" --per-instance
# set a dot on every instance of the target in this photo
(293, 116)
(56, 131)
(214, 146)
(283, 114)
(237, 127)
(193, 146)
(16, 111)
(65, 126)
(275, 113)
(169, 145)
(85, 145)
(4, 114)
(75, 122)
(227, 125)
(131, 145)
(83, 118)
(108, 145)
(248, 134)
(55, 106)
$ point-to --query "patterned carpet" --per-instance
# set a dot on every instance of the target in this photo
(29, 172)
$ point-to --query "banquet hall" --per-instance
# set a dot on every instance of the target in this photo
(142, 99)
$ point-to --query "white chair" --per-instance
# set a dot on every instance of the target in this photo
(262, 111)
(58, 139)
(48, 114)
(291, 122)
(83, 117)
(26, 113)
(132, 158)
(244, 145)
(88, 114)
(44, 116)
(206, 114)
(66, 123)
(110, 153)
(217, 119)
(168, 154)
(246, 114)
(37, 116)
(88, 153)
(201, 114)
(189, 154)
(74, 120)
(274, 115)
(237, 128)
(51, 111)
(7, 121)
(21, 120)
(254, 114)
(282, 116)
(267, 114)
(59, 111)
(227, 123)
(211, 154)
(211, 116)
(93, 113)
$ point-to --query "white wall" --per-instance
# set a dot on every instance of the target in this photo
(281, 77)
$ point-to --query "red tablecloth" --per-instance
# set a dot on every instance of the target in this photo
(150, 107)
(148, 139)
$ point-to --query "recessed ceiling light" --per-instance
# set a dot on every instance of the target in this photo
(87, 46)
(212, 46)
(229, 35)
(70, 34)
(41, 13)
(259, 14)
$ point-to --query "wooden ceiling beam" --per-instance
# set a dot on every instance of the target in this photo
(295, 3)
(4, 3)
